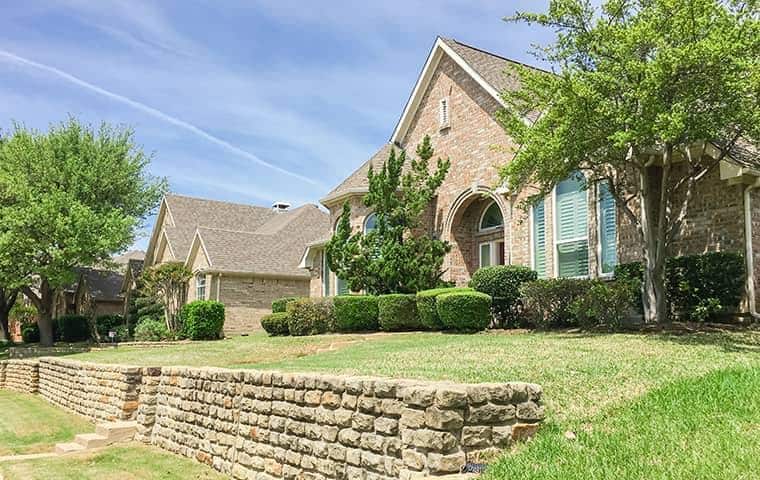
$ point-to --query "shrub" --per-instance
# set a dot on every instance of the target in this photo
(151, 330)
(203, 320)
(310, 316)
(30, 333)
(700, 286)
(548, 300)
(502, 283)
(356, 313)
(276, 323)
(426, 306)
(398, 312)
(605, 304)
(107, 323)
(280, 305)
(464, 311)
(73, 328)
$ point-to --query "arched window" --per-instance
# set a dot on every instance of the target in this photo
(370, 223)
(492, 217)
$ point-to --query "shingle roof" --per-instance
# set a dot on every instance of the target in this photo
(275, 248)
(357, 181)
(103, 285)
(745, 154)
(491, 67)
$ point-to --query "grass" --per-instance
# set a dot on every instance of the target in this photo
(129, 462)
(28, 424)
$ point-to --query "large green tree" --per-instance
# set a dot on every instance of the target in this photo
(646, 95)
(398, 255)
(71, 196)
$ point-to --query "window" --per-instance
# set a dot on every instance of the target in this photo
(538, 237)
(443, 112)
(200, 287)
(326, 273)
(571, 227)
(370, 223)
(491, 218)
(491, 253)
(342, 288)
(607, 230)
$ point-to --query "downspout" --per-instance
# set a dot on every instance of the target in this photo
(218, 285)
(749, 254)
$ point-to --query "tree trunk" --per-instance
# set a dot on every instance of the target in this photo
(5, 324)
(653, 287)
(7, 300)
(44, 304)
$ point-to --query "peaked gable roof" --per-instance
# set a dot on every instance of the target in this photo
(102, 285)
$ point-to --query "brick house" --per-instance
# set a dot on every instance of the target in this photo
(244, 256)
(455, 100)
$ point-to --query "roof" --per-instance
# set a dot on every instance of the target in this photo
(491, 67)
(126, 257)
(357, 182)
(102, 285)
(274, 248)
(745, 154)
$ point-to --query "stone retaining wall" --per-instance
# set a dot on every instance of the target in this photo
(97, 391)
(270, 425)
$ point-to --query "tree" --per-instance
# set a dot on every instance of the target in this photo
(8, 299)
(68, 197)
(649, 96)
(167, 284)
(397, 256)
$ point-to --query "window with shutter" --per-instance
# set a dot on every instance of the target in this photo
(539, 238)
(607, 230)
(342, 287)
(571, 227)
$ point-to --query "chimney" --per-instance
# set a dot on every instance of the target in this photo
(280, 206)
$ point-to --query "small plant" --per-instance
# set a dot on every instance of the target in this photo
(151, 330)
(398, 312)
(73, 328)
(426, 306)
(30, 333)
(605, 304)
(276, 323)
(502, 283)
(309, 316)
(203, 320)
(356, 313)
(464, 311)
(548, 300)
(280, 305)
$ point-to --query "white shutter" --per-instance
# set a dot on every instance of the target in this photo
(539, 238)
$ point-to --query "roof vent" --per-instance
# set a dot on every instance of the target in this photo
(280, 206)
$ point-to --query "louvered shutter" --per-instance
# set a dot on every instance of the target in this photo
(539, 238)
(607, 229)
(572, 228)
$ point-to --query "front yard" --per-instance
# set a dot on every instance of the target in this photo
(639, 405)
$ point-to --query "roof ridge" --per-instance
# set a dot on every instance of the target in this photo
(247, 232)
(217, 201)
(507, 59)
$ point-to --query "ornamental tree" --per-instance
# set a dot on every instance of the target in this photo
(648, 96)
(398, 256)
(166, 284)
(70, 196)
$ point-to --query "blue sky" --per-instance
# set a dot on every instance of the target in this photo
(246, 101)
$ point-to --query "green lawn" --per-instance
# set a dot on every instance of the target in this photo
(29, 424)
(642, 405)
(127, 462)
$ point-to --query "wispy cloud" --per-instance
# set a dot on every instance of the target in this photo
(155, 113)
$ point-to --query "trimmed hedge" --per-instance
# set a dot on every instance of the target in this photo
(73, 328)
(107, 323)
(464, 311)
(548, 301)
(606, 304)
(356, 313)
(426, 306)
(203, 320)
(397, 312)
(276, 323)
(30, 333)
(309, 316)
(502, 283)
(149, 329)
(281, 304)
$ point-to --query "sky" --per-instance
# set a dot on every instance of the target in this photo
(244, 101)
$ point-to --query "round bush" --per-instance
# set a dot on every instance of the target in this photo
(356, 313)
(151, 330)
(308, 316)
(108, 323)
(30, 333)
(426, 308)
(203, 320)
(73, 328)
(276, 323)
(397, 312)
(464, 311)
(280, 305)
(502, 283)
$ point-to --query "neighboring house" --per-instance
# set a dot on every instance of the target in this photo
(95, 292)
(455, 101)
(132, 272)
(241, 255)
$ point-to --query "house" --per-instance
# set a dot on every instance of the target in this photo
(572, 232)
(94, 292)
(244, 256)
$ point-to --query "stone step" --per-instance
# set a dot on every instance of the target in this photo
(121, 431)
(64, 448)
(92, 440)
